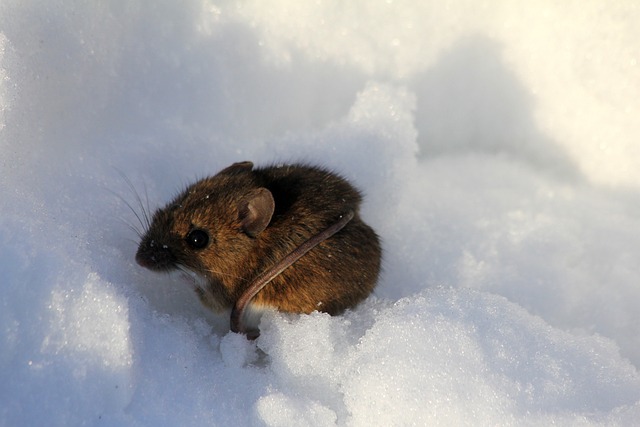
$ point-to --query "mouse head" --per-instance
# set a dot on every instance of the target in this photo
(211, 227)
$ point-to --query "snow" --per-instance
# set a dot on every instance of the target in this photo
(496, 144)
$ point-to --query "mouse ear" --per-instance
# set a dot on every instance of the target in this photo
(237, 167)
(255, 211)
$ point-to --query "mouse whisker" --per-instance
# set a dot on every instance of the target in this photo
(197, 280)
(144, 217)
(138, 232)
(135, 242)
(221, 273)
(201, 281)
(212, 271)
(146, 213)
(132, 228)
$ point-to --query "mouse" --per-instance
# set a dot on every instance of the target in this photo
(283, 237)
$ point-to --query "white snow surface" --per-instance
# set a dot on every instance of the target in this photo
(498, 147)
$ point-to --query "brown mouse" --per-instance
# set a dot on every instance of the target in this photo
(297, 224)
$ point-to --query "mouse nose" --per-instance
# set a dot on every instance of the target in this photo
(155, 256)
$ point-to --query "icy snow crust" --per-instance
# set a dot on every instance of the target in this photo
(498, 148)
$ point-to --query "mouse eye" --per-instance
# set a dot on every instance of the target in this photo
(197, 239)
